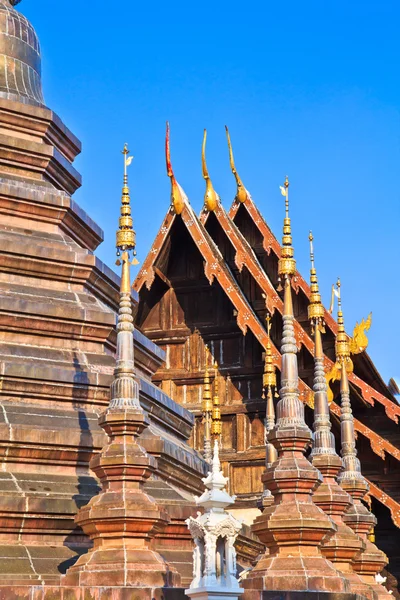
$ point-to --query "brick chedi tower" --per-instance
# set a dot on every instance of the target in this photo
(344, 544)
(293, 528)
(20, 77)
(123, 518)
(370, 560)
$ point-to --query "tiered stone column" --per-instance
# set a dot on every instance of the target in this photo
(344, 544)
(123, 518)
(370, 560)
(293, 528)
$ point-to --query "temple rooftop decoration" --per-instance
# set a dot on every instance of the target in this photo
(344, 544)
(122, 519)
(293, 527)
(370, 561)
(269, 386)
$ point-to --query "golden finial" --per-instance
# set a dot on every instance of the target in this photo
(241, 194)
(315, 308)
(210, 197)
(269, 376)
(216, 426)
(126, 237)
(342, 344)
(287, 264)
(177, 199)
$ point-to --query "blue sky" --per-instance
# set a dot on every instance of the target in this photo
(308, 89)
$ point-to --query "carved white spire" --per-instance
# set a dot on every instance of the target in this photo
(214, 533)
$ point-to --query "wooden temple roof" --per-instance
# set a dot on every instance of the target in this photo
(216, 267)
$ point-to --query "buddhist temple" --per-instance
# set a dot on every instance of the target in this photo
(212, 280)
(209, 428)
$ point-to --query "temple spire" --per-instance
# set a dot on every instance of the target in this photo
(178, 196)
(343, 546)
(123, 519)
(124, 388)
(324, 442)
(351, 464)
(126, 236)
(287, 263)
(207, 408)
(216, 425)
(370, 560)
(269, 385)
(293, 527)
(210, 196)
(241, 194)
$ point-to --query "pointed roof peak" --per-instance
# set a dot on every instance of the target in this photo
(178, 196)
(211, 198)
(242, 193)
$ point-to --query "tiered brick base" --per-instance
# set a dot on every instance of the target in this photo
(91, 593)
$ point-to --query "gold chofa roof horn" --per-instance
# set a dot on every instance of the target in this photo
(210, 197)
(241, 194)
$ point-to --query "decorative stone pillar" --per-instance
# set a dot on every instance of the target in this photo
(122, 519)
(214, 533)
(293, 528)
(370, 560)
(344, 544)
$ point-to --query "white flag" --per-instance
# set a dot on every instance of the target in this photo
(128, 160)
(283, 190)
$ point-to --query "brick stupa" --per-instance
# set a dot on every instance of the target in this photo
(58, 306)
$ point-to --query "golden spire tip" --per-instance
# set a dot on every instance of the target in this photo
(287, 263)
(177, 200)
(125, 237)
(316, 311)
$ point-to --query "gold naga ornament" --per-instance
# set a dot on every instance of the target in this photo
(177, 194)
(241, 193)
(210, 196)
(345, 346)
